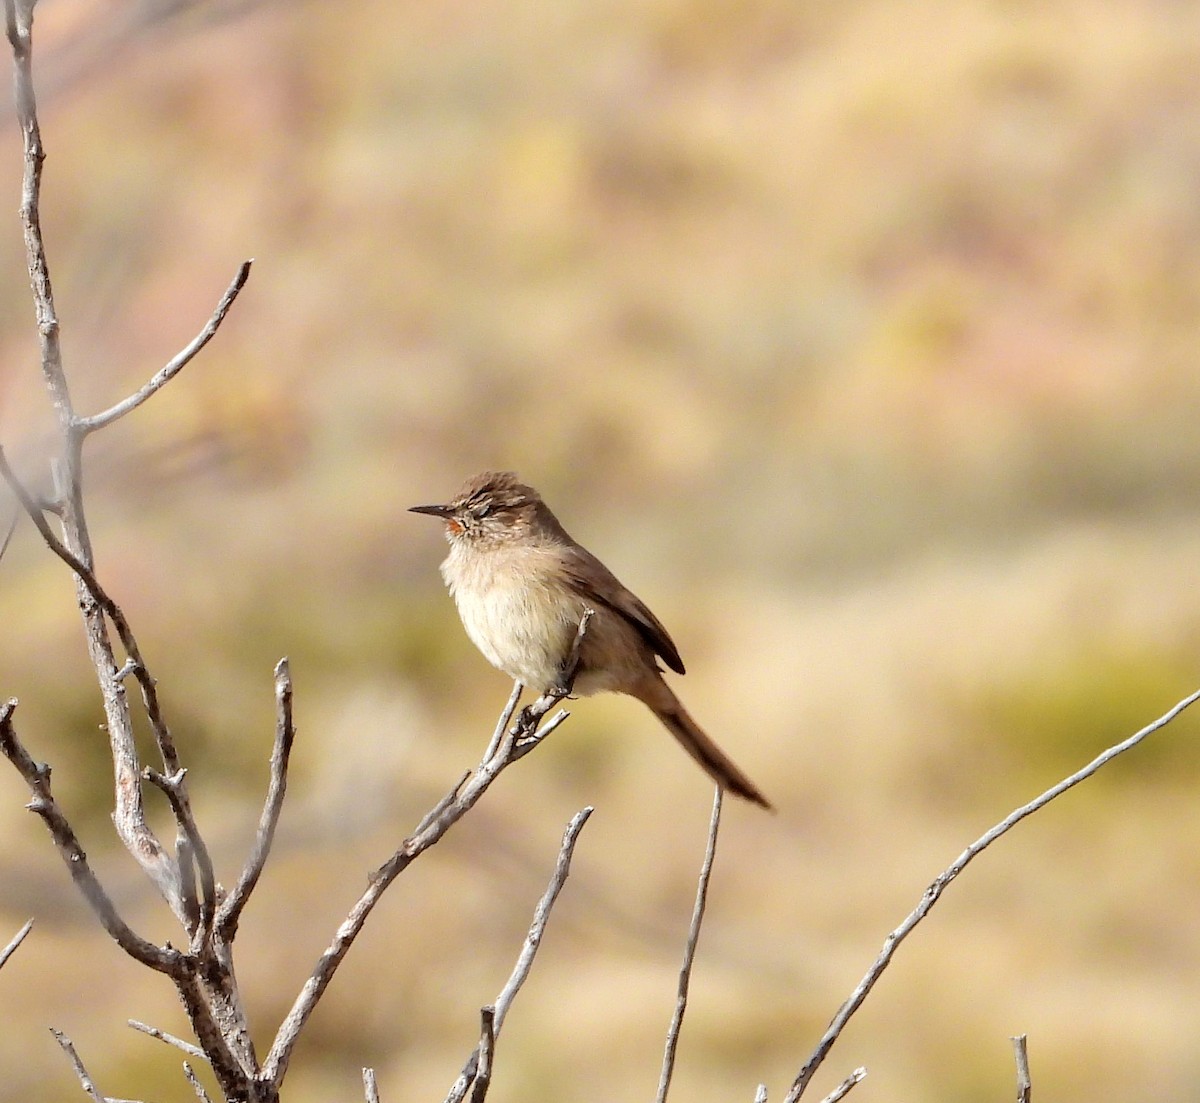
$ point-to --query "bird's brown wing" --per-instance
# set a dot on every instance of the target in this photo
(595, 583)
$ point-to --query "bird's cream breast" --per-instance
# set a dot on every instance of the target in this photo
(521, 621)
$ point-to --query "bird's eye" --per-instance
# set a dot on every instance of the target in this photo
(483, 511)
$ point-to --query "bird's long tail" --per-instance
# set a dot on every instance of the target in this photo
(716, 763)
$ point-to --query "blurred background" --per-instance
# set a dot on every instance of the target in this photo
(858, 338)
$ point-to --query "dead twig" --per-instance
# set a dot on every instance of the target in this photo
(194, 1080)
(456, 804)
(942, 881)
(493, 1016)
(175, 365)
(12, 527)
(197, 1086)
(85, 1080)
(129, 815)
(16, 941)
(486, 1049)
(189, 848)
(37, 777)
(1024, 1084)
(689, 952)
(502, 723)
(370, 1088)
(170, 1039)
(285, 733)
(843, 1089)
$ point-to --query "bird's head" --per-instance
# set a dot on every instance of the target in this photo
(491, 508)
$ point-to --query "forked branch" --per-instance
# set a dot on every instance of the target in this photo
(934, 891)
(514, 745)
(175, 365)
(476, 1074)
(37, 777)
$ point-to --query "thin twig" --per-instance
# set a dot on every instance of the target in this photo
(194, 1080)
(444, 803)
(934, 891)
(17, 939)
(689, 953)
(185, 859)
(505, 717)
(170, 1039)
(285, 733)
(454, 806)
(130, 819)
(37, 777)
(370, 1088)
(1024, 1084)
(110, 608)
(541, 916)
(194, 847)
(533, 940)
(12, 527)
(129, 814)
(486, 1050)
(19, 26)
(843, 1089)
(174, 366)
(85, 1080)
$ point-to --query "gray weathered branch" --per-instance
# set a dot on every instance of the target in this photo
(14, 942)
(942, 881)
(689, 952)
(476, 1073)
(175, 365)
(285, 733)
(1021, 1053)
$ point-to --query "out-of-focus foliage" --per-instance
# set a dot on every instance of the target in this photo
(858, 338)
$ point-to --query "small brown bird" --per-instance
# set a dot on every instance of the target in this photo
(522, 584)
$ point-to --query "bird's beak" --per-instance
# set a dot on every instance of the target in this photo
(434, 511)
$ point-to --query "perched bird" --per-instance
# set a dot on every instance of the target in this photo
(522, 584)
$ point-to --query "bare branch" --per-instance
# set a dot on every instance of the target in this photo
(12, 527)
(541, 916)
(19, 26)
(431, 829)
(443, 804)
(760, 1094)
(232, 1074)
(370, 1088)
(473, 1068)
(934, 891)
(110, 608)
(130, 818)
(17, 939)
(194, 1080)
(170, 1039)
(185, 860)
(165, 374)
(85, 1080)
(689, 953)
(43, 803)
(843, 1089)
(486, 1050)
(502, 723)
(193, 846)
(1024, 1084)
(285, 734)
